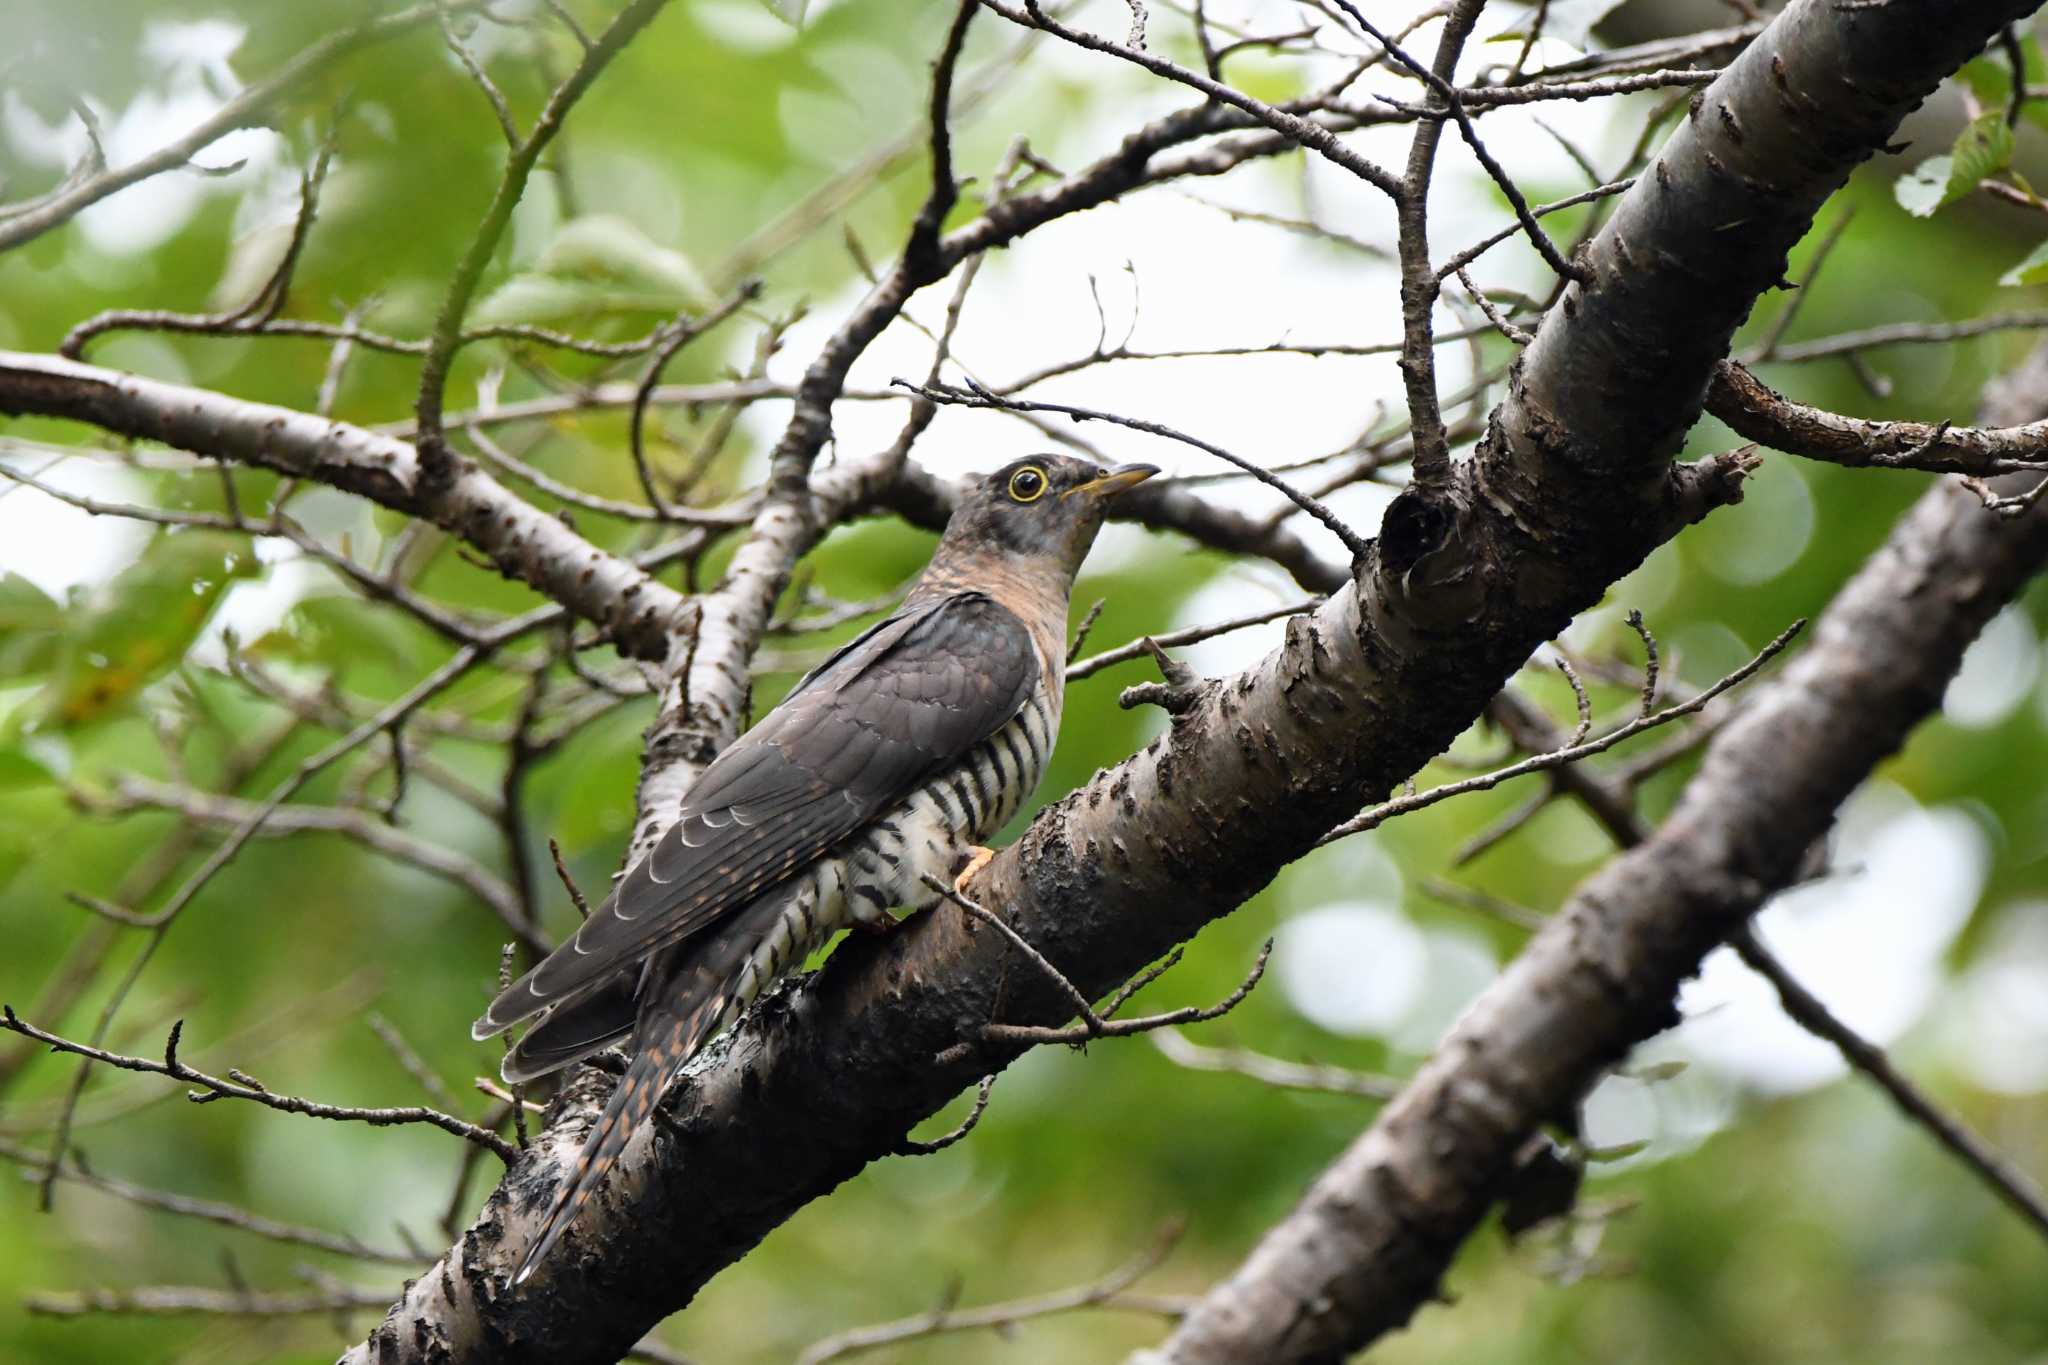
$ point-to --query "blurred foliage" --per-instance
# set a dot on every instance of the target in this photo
(1815, 1227)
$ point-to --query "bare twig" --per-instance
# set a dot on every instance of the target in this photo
(974, 395)
(1137, 649)
(1294, 127)
(241, 1087)
(568, 882)
(1559, 758)
(187, 1300)
(1094, 1025)
(211, 1211)
(1760, 414)
(1080, 637)
(1806, 1010)
(914, 1147)
(447, 335)
(253, 316)
(1107, 1292)
(410, 1061)
(133, 792)
(1328, 1080)
(21, 222)
(680, 333)
(1902, 334)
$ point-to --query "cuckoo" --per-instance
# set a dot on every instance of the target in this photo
(887, 764)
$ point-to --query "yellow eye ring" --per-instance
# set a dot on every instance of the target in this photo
(1028, 484)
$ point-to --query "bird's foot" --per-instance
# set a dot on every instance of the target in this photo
(979, 858)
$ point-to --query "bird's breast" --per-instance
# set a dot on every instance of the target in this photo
(929, 832)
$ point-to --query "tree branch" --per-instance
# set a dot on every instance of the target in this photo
(21, 222)
(241, 1087)
(1760, 414)
(134, 792)
(1571, 489)
(522, 540)
(1369, 1242)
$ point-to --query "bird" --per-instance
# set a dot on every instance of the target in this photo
(887, 764)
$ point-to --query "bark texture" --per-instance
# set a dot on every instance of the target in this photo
(1751, 408)
(1369, 1242)
(1572, 487)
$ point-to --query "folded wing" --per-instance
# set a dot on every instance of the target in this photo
(867, 728)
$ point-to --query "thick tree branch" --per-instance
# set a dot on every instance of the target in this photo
(1368, 1243)
(521, 539)
(1572, 487)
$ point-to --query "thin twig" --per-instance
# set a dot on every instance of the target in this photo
(1107, 1292)
(915, 1147)
(1189, 635)
(976, 396)
(1806, 1010)
(1093, 1025)
(1559, 758)
(1328, 1080)
(210, 1211)
(447, 335)
(241, 1087)
(188, 1300)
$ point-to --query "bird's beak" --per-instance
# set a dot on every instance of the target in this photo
(1115, 481)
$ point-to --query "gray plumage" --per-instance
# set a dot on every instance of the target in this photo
(886, 764)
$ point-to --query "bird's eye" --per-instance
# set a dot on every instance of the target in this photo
(1028, 484)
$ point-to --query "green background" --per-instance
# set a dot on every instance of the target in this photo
(1813, 1226)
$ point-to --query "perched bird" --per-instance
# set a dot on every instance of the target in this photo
(888, 763)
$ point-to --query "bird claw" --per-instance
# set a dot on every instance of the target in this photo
(981, 857)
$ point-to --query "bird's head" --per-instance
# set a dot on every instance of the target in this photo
(1044, 508)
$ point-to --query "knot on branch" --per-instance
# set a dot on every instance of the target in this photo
(1543, 1184)
(1416, 524)
(1713, 482)
(1182, 690)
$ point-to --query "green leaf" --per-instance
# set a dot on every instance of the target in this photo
(597, 267)
(1981, 151)
(1921, 190)
(1990, 80)
(1620, 1151)
(18, 770)
(612, 250)
(30, 628)
(546, 301)
(330, 631)
(139, 626)
(790, 12)
(2032, 270)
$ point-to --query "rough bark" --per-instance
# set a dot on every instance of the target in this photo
(1755, 411)
(1369, 1242)
(1572, 487)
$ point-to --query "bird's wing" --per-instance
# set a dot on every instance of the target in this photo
(861, 733)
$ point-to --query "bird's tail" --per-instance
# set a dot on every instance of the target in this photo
(704, 984)
(655, 1059)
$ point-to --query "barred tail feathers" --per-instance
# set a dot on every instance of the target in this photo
(706, 983)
